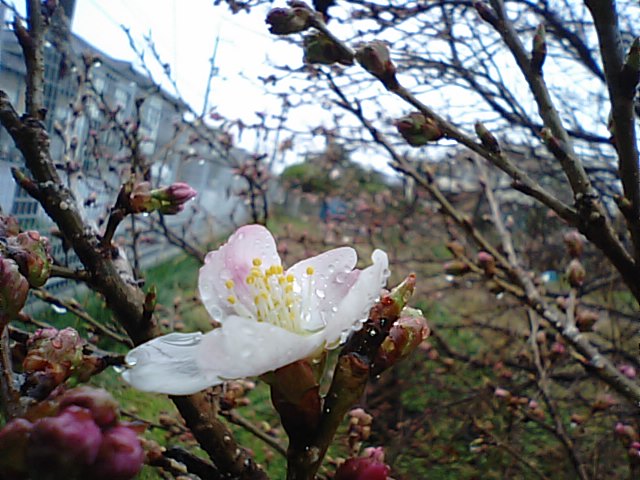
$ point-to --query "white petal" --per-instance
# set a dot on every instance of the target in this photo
(233, 261)
(167, 364)
(331, 280)
(181, 364)
(355, 307)
(246, 348)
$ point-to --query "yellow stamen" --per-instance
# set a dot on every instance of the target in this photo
(250, 280)
(229, 284)
(231, 299)
(310, 270)
(290, 278)
(257, 262)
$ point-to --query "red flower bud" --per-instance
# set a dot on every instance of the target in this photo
(100, 403)
(32, 253)
(64, 444)
(120, 457)
(369, 467)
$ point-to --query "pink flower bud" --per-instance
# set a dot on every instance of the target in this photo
(502, 393)
(576, 273)
(371, 466)
(170, 200)
(99, 402)
(487, 262)
(375, 58)
(284, 21)
(120, 457)
(64, 444)
(627, 370)
(418, 130)
(13, 289)
(625, 431)
(574, 243)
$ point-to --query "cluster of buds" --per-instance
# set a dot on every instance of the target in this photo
(318, 48)
(235, 394)
(418, 129)
(25, 261)
(168, 200)
(81, 439)
(285, 21)
(529, 407)
(52, 356)
(359, 428)
(370, 466)
(375, 58)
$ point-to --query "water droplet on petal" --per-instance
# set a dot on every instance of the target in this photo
(320, 293)
(182, 339)
(334, 309)
(341, 277)
(131, 361)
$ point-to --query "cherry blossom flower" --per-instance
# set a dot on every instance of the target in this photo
(270, 317)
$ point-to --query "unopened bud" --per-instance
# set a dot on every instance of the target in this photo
(318, 48)
(172, 198)
(539, 49)
(488, 263)
(370, 466)
(32, 253)
(120, 457)
(375, 58)
(627, 370)
(99, 402)
(574, 243)
(65, 444)
(14, 289)
(9, 226)
(418, 130)
(284, 21)
(625, 431)
(576, 273)
(486, 138)
(405, 335)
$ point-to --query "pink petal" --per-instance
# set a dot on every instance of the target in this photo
(233, 261)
